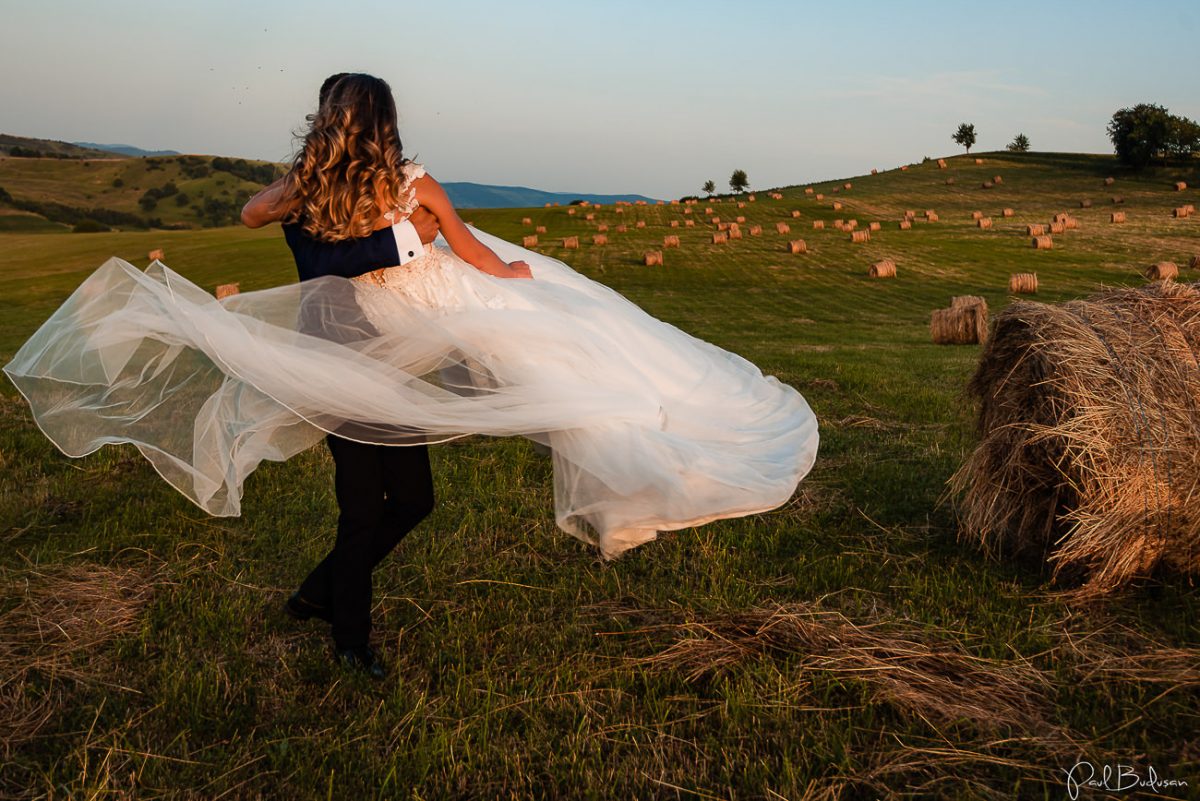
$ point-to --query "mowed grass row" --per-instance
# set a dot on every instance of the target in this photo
(522, 665)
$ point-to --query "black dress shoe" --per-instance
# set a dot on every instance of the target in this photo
(361, 659)
(301, 609)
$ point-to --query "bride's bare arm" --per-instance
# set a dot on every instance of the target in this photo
(464, 244)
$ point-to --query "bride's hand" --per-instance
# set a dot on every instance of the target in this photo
(519, 270)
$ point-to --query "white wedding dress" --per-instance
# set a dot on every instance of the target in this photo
(650, 429)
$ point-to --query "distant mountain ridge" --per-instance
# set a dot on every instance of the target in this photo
(467, 195)
(126, 150)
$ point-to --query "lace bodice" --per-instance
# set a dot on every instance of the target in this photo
(408, 202)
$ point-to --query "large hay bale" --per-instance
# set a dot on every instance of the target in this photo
(227, 290)
(526, 221)
(589, 217)
(1023, 283)
(689, 223)
(795, 213)
(1007, 213)
(755, 230)
(984, 222)
(741, 219)
(1180, 186)
(1057, 227)
(600, 239)
(156, 255)
(687, 210)
(653, 257)
(783, 228)
(674, 223)
(570, 242)
(719, 238)
(874, 226)
(1089, 429)
(851, 225)
(797, 246)
(1035, 230)
(977, 215)
(997, 180)
(722, 226)
(837, 206)
(603, 228)
(1043, 243)
(1190, 209)
(959, 301)
(818, 224)
(620, 229)
(847, 185)
(820, 196)
(1180, 212)
(741, 205)
(910, 215)
(541, 229)
(715, 220)
(883, 269)
(529, 241)
(962, 324)
(751, 198)
(860, 236)
(640, 224)
(735, 232)
(930, 213)
(903, 168)
(931, 218)
(1162, 271)
(905, 225)
(1117, 217)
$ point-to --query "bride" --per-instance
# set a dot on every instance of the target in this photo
(650, 429)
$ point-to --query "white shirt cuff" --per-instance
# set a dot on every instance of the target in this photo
(408, 241)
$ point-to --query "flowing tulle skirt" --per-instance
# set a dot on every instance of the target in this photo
(650, 429)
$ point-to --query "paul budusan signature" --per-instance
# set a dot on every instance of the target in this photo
(1115, 778)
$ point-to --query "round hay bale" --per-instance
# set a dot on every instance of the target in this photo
(959, 301)
(674, 223)
(1190, 209)
(910, 215)
(985, 222)
(1109, 181)
(1057, 227)
(741, 205)
(997, 180)
(755, 230)
(837, 206)
(600, 239)
(931, 218)
(978, 161)
(687, 210)
(1070, 224)
(715, 220)
(860, 236)
(1117, 199)
(571, 211)
(959, 325)
(905, 225)
(640, 224)
(883, 269)
(1180, 212)
(529, 241)
(751, 198)
(930, 213)
(541, 229)
(1180, 186)
(1195, 263)
(977, 215)
(653, 257)
(1023, 283)
(603, 228)
(851, 224)
(903, 168)
(589, 217)
(847, 186)
(620, 229)
(722, 226)
(720, 238)
(797, 246)
(526, 221)
(689, 223)
(156, 255)
(1007, 213)
(1117, 217)
(1162, 271)
(227, 290)
(1085, 203)
(949, 182)
(808, 190)
(820, 196)
(986, 185)
(1088, 435)
(570, 242)
(735, 232)
(1035, 230)
(818, 224)
(1043, 243)
(941, 164)
(741, 219)
(795, 213)
(783, 228)
(874, 226)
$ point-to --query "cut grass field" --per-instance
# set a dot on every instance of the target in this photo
(846, 645)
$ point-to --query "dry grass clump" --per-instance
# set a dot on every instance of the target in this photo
(1089, 432)
(59, 627)
(964, 323)
(1023, 283)
(934, 679)
(885, 268)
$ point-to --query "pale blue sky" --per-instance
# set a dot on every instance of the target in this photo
(647, 97)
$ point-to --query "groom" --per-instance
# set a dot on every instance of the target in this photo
(382, 491)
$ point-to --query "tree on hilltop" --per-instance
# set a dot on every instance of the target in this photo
(708, 188)
(1019, 144)
(1148, 131)
(965, 135)
(738, 181)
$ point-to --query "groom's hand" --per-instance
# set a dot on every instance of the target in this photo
(425, 223)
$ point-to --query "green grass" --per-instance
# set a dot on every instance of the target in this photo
(514, 651)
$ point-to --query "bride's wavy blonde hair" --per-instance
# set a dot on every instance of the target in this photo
(349, 167)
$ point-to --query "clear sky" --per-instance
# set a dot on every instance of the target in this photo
(608, 96)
